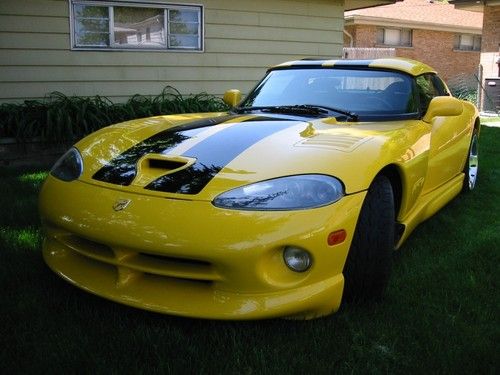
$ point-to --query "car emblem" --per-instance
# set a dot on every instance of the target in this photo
(121, 204)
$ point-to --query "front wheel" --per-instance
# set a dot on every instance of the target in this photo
(368, 265)
(472, 163)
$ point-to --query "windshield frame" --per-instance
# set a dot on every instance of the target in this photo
(353, 115)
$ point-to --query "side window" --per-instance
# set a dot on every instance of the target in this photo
(428, 87)
(441, 88)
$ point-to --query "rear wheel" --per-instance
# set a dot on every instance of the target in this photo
(368, 263)
(472, 163)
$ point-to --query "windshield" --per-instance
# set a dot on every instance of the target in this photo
(356, 91)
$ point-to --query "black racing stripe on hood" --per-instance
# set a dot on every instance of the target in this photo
(122, 169)
(215, 153)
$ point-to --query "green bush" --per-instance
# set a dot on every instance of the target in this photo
(464, 87)
(469, 94)
(61, 118)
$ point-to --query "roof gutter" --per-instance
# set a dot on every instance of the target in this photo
(408, 24)
(364, 4)
(351, 39)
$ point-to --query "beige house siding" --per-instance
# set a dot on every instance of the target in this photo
(242, 38)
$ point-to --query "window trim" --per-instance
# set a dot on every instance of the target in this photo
(400, 29)
(456, 46)
(167, 27)
(137, 4)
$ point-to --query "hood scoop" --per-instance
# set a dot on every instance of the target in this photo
(184, 159)
(153, 166)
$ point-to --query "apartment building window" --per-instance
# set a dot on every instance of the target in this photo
(467, 42)
(136, 26)
(394, 37)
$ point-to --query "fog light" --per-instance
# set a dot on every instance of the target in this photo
(297, 259)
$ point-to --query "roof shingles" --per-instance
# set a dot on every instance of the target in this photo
(425, 11)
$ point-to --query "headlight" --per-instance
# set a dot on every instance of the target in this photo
(284, 193)
(69, 166)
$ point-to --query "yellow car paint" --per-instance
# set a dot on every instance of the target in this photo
(177, 253)
(232, 267)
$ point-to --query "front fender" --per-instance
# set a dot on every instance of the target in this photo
(404, 148)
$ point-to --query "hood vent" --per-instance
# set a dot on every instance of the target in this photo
(340, 142)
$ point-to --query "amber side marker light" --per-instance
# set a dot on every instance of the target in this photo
(337, 237)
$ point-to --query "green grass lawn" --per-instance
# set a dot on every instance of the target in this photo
(440, 314)
(485, 120)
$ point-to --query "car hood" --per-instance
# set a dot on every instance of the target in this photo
(198, 156)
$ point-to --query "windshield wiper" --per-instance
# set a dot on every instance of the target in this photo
(300, 109)
(350, 115)
(250, 109)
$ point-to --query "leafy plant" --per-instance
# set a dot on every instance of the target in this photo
(469, 94)
(62, 118)
(464, 87)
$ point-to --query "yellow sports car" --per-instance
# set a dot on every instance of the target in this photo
(281, 207)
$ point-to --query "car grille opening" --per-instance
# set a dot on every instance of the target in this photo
(130, 264)
(164, 258)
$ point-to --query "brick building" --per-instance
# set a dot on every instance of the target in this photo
(446, 38)
(490, 46)
(490, 49)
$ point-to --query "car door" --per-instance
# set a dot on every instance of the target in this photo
(447, 136)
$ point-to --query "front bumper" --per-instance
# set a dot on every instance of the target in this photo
(190, 258)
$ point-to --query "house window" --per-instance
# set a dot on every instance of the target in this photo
(467, 42)
(394, 37)
(115, 25)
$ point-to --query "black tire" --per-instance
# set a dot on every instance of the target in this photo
(472, 163)
(368, 265)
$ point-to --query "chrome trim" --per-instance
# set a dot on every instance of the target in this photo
(473, 161)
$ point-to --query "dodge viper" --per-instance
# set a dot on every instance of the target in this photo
(289, 203)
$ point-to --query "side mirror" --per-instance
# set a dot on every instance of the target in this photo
(443, 106)
(232, 97)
